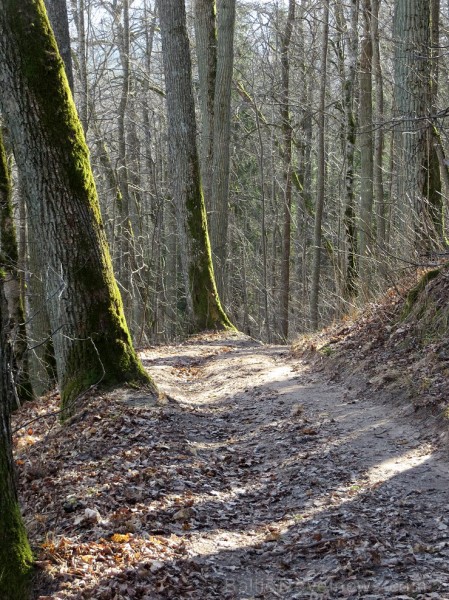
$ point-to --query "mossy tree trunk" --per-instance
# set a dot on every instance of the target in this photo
(202, 297)
(9, 258)
(57, 13)
(15, 553)
(91, 338)
(214, 33)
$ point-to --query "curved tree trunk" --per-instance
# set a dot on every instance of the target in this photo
(202, 297)
(15, 553)
(91, 339)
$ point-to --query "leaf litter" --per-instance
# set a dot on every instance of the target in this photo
(253, 477)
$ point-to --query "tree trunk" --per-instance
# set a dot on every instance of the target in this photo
(206, 52)
(202, 297)
(57, 13)
(83, 102)
(219, 217)
(126, 233)
(42, 358)
(287, 170)
(215, 53)
(321, 175)
(9, 259)
(366, 152)
(378, 185)
(348, 38)
(15, 553)
(433, 186)
(90, 335)
(411, 33)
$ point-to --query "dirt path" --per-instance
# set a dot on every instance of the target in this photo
(307, 491)
(252, 479)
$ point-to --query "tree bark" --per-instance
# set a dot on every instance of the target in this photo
(219, 219)
(378, 184)
(348, 75)
(202, 297)
(206, 52)
(214, 35)
(83, 97)
(57, 13)
(287, 169)
(412, 90)
(366, 152)
(126, 232)
(321, 175)
(9, 259)
(91, 339)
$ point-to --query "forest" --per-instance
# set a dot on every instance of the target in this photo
(223, 252)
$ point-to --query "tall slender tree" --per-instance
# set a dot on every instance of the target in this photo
(214, 31)
(347, 51)
(219, 222)
(202, 297)
(378, 177)
(206, 52)
(321, 174)
(366, 150)
(286, 125)
(91, 339)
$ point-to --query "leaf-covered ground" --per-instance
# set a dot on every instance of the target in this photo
(252, 478)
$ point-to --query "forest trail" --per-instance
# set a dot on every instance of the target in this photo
(263, 481)
(312, 491)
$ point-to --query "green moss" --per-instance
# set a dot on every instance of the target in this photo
(326, 350)
(104, 360)
(15, 554)
(16, 558)
(414, 294)
(208, 312)
(101, 349)
(44, 69)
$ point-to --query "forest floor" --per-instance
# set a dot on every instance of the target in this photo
(255, 476)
